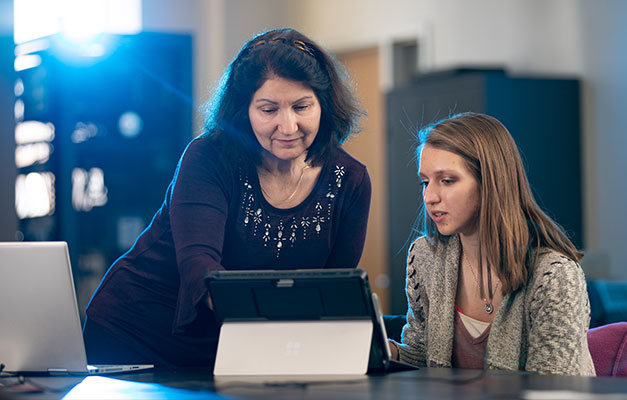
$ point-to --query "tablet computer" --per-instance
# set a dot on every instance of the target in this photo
(302, 295)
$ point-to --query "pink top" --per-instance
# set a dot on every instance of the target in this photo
(468, 352)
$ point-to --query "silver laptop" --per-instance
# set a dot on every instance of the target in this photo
(40, 327)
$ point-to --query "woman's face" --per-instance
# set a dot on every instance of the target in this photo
(450, 191)
(285, 117)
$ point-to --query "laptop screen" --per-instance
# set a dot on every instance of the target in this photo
(40, 325)
(40, 328)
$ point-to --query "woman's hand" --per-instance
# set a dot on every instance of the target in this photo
(393, 349)
(210, 302)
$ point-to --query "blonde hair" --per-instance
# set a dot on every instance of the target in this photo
(512, 227)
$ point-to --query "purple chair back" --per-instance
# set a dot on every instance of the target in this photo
(608, 347)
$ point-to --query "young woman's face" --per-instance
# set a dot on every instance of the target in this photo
(450, 191)
(285, 117)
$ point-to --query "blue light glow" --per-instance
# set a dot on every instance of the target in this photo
(98, 387)
(83, 131)
(130, 124)
(18, 88)
(25, 62)
(18, 110)
(88, 189)
(78, 20)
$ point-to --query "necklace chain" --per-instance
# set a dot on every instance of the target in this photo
(489, 308)
(291, 196)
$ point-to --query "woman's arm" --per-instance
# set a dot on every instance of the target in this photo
(412, 348)
(559, 316)
(198, 213)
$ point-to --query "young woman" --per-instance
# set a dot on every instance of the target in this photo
(267, 186)
(493, 282)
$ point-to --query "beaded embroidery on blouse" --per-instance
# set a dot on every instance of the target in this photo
(279, 232)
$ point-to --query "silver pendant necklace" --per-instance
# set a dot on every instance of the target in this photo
(489, 308)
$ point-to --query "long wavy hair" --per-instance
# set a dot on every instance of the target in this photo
(288, 54)
(512, 227)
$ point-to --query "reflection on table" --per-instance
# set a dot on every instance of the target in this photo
(440, 383)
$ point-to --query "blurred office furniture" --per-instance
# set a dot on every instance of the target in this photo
(543, 116)
(8, 219)
(608, 302)
(105, 123)
(608, 347)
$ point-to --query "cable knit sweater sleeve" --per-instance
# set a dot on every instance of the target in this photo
(413, 349)
(558, 318)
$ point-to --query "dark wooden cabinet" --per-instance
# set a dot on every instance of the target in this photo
(543, 116)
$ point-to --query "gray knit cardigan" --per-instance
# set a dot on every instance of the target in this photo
(541, 327)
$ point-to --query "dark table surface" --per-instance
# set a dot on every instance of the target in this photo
(426, 383)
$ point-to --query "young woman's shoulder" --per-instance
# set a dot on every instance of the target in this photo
(555, 271)
(427, 253)
(549, 259)
(434, 247)
(420, 245)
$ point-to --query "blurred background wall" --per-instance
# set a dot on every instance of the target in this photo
(387, 46)
(8, 219)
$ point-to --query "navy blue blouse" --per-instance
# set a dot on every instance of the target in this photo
(215, 217)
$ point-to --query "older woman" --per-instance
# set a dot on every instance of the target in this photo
(267, 186)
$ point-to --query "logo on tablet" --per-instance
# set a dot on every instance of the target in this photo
(292, 349)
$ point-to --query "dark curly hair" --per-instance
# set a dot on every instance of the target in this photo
(284, 53)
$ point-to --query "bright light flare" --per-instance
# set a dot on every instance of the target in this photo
(34, 195)
(79, 20)
(34, 131)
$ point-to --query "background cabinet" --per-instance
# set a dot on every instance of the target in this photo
(8, 219)
(542, 114)
(118, 115)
